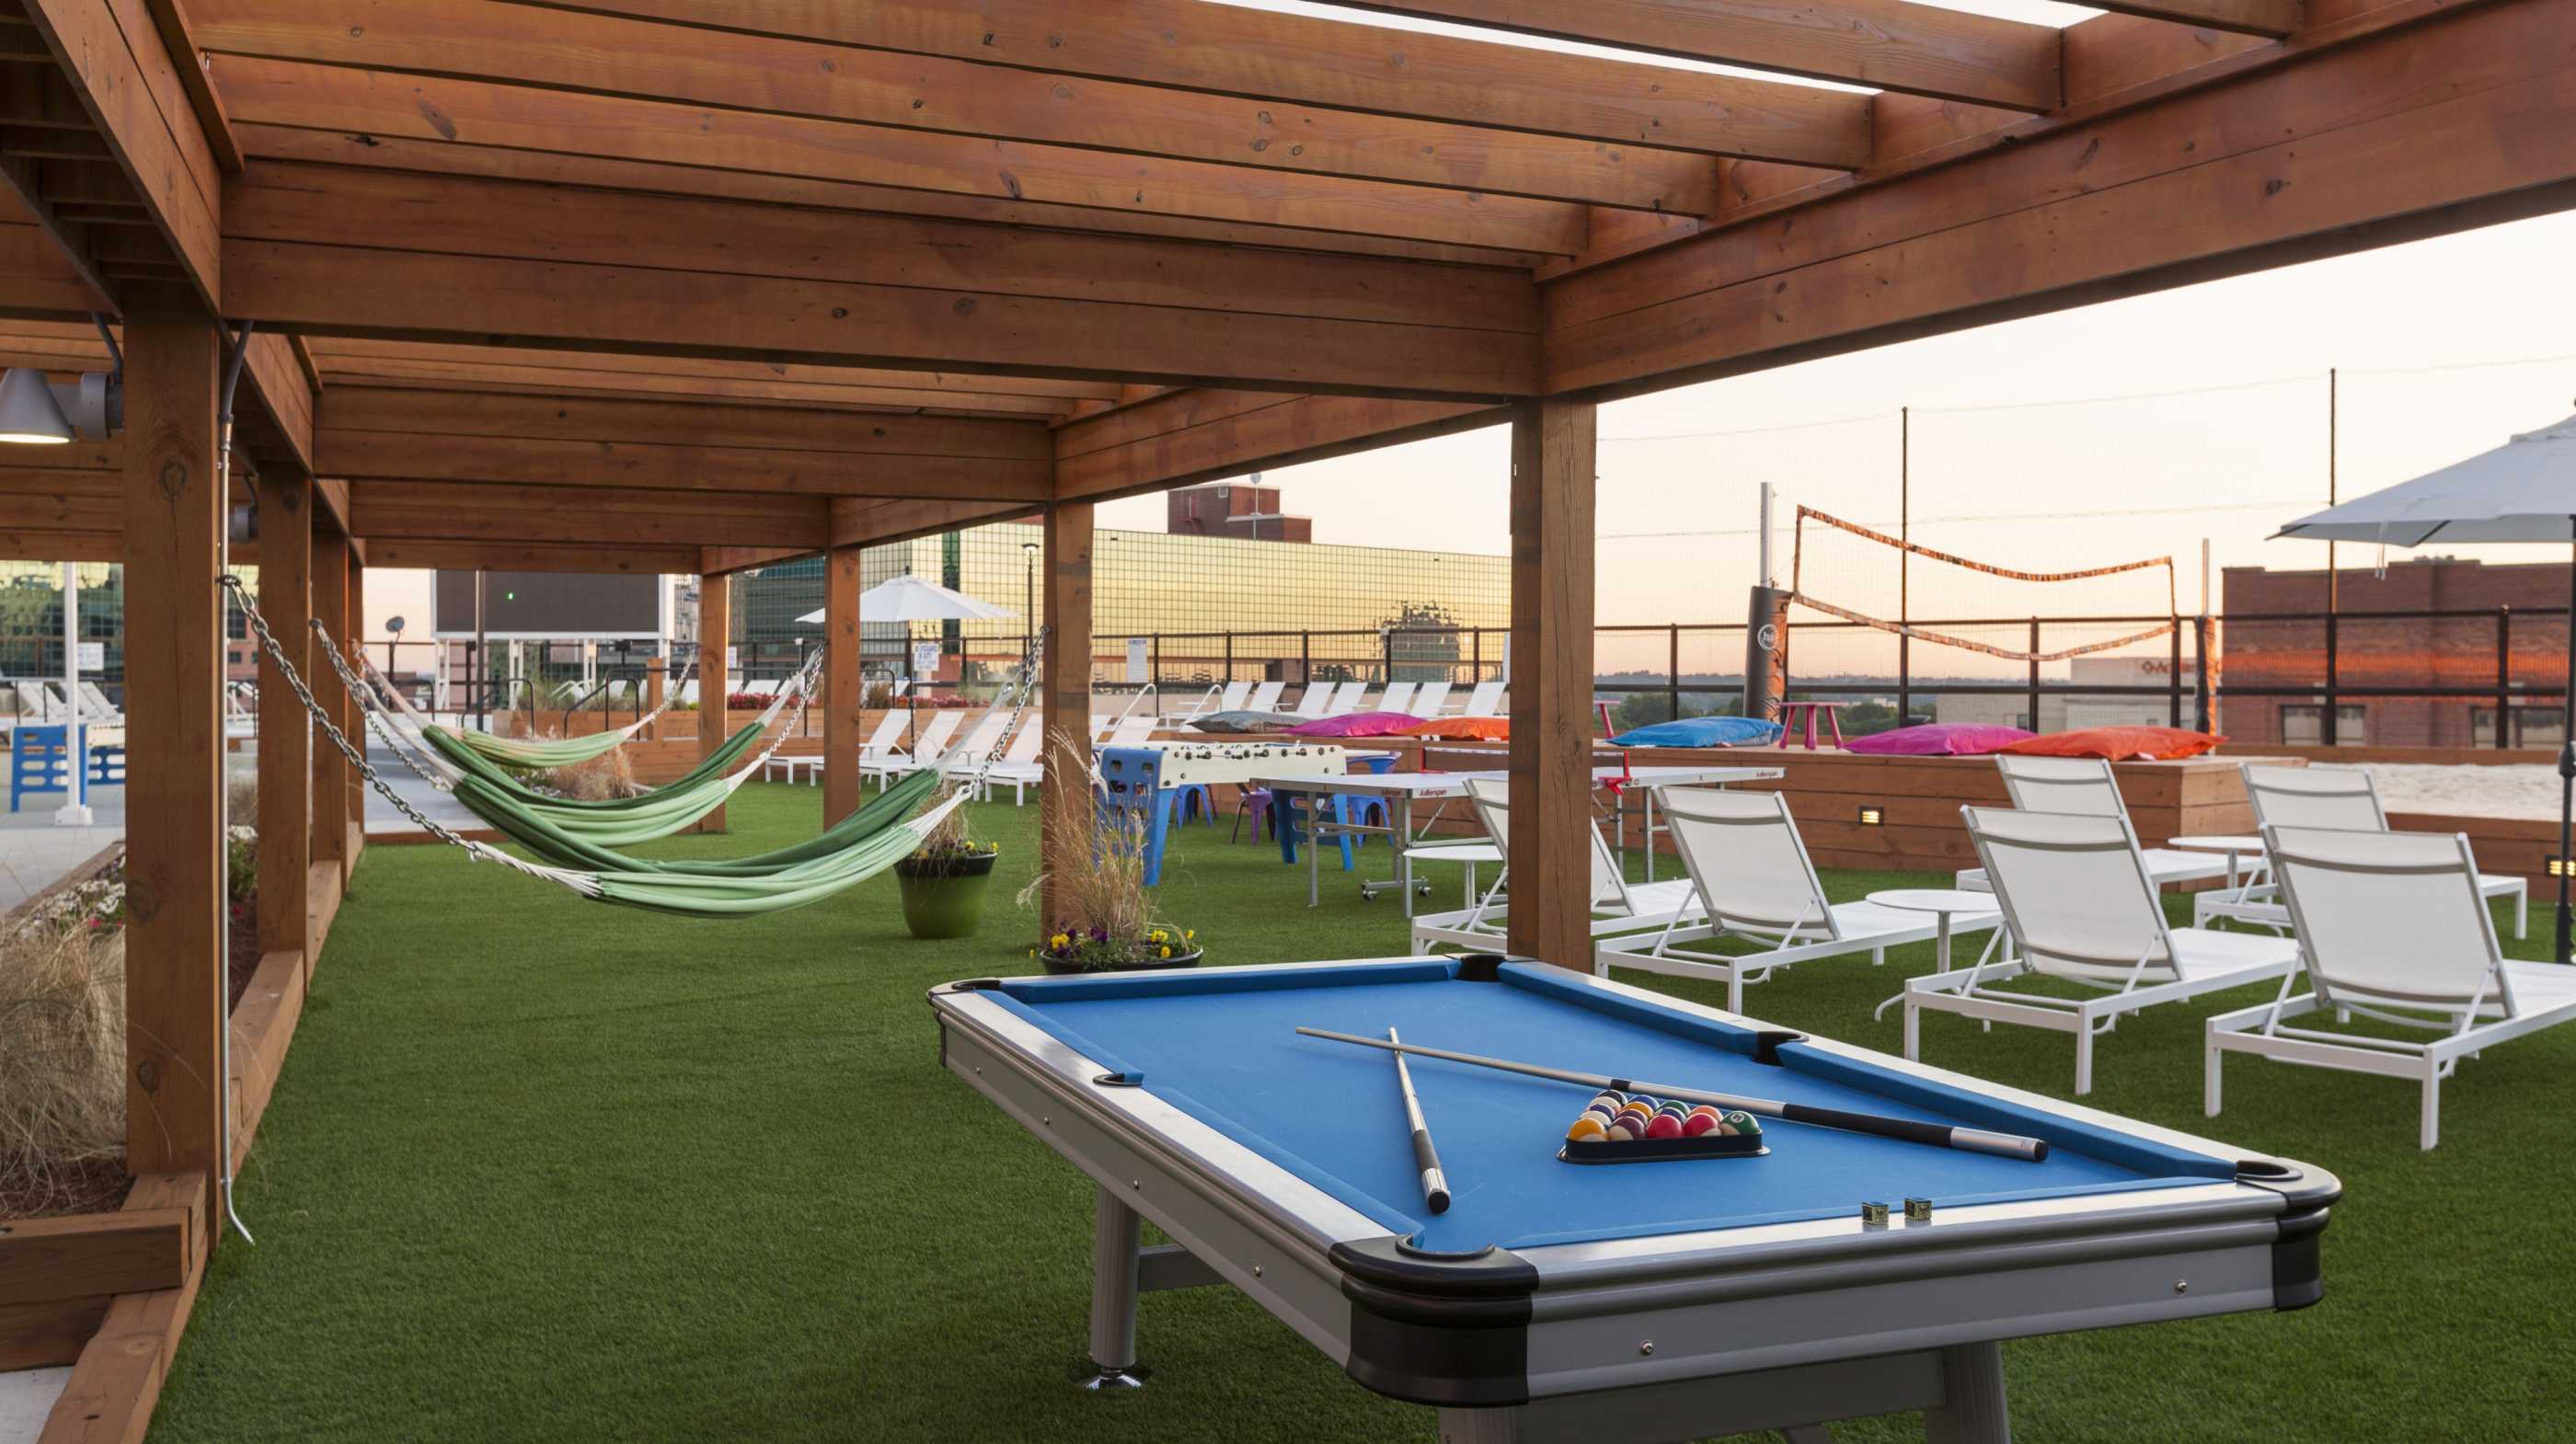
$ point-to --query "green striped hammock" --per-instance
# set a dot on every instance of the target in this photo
(541, 754)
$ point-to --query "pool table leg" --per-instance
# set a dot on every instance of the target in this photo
(1115, 1259)
(1972, 1410)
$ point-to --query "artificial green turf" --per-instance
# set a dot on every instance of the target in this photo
(541, 1169)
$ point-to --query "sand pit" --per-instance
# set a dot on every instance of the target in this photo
(2512, 790)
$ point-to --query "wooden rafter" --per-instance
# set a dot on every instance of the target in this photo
(876, 89)
(1296, 60)
(433, 108)
(1892, 44)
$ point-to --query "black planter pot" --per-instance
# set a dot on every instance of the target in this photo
(1061, 966)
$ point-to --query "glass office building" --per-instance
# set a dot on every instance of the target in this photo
(1206, 608)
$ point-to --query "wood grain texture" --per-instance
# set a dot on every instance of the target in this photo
(82, 1255)
(1887, 44)
(331, 772)
(433, 108)
(175, 903)
(843, 690)
(1064, 569)
(111, 52)
(715, 676)
(877, 95)
(1552, 502)
(117, 1380)
(1297, 59)
(1195, 435)
(285, 818)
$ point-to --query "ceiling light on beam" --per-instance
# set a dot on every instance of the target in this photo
(36, 410)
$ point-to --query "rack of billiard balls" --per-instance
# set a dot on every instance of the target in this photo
(1621, 1127)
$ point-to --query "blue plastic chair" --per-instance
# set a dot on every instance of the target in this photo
(39, 761)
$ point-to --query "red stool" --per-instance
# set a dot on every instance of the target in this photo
(1791, 712)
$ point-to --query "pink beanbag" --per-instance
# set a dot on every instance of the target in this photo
(1939, 739)
(1355, 724)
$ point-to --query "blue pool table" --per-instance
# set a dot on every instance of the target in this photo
(1560, 1301)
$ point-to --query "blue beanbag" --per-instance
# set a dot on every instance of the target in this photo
(1702, 732)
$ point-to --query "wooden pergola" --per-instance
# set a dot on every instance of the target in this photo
(695, 285)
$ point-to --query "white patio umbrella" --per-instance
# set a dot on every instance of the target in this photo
(2523, 491)
(911, 599)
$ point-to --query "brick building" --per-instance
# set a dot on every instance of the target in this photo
(2275, 635)
(1243, 509)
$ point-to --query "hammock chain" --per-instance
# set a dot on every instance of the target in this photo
(277, 655)
(1019, 699)
(361, 688)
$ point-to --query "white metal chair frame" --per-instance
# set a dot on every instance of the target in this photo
(2086, 787)
(1398, 697)
(1431, 700)
(2124, 984)
(1018, 767)
(1806, 928)
(928, 748)
(1618, 905)
(2340, 799)
(2466, 1022)
(1265, 697)
(1485, 701)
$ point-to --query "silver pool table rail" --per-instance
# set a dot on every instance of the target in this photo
(1660, 1337)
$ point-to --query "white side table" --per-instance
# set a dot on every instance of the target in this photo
(1944, 903)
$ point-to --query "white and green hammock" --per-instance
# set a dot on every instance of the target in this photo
(860, 847)
(544, 754)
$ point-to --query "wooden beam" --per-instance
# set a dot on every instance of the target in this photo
(282, 398)
(332, 774)
(1293, 59)
(348, 360)
(875, 96)
(717, 561)
(843, 694)
(715, 677)
(285, 729)
(367, 455)
(392, 293)
(944, 259)
(350, 809)
(608, 383)
(606, 516)
(1065, 534)
(467, 556)
(2341, 152)
(314, 97)
(80, 1255)
(368, 151)
(1553, 459)
(858, 523)
(112, 1389)
(188, 58)
(37, 279)
(28, 545)
(2269, 18)
(174, 869)
(112, 53)
(1197, 435)
(1889, 44)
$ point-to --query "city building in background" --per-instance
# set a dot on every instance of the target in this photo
(1245, 509)
(1205, 605)
(2461, 641)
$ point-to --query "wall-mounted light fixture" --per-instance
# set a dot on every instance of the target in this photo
(1872, 815)
(2558, 867)
(38, 411)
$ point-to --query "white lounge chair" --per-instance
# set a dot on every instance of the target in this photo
(2393, 926)
(1232, 699)
(1315, 701)
(1131, 732)
(1751, 880)
(2085, 786)
(1398, 697)
(1485, 701)
(1431, 701)
(1346, 699)
(2325, 797)
(1018, 767)
(965, 760)
(2081, 907)
(926, 747)
(1265, 698)
(1618, 905)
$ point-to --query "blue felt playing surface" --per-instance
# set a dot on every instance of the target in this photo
(1224, 1050)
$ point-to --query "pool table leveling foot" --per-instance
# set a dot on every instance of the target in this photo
(1552, 1304)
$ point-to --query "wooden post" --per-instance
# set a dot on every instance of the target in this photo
(841, 691)
(656, 677)
(352, 637)
(332, 773)
(1066, 685)
(715, 683)
(174, 648)
(285, 730)
(1551, 685)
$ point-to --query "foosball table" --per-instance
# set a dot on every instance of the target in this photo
(1150, 787)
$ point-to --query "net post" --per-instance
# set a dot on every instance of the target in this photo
(2034, 676)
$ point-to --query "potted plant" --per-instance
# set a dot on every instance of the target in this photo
(943, 881)
(1104, 919)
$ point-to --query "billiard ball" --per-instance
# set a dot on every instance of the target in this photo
(1664, 1126)
(1584, 1127)
(1620, 1132)
(1697, 1124)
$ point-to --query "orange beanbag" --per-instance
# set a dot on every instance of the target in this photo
(2119, 744)
(1462, 729)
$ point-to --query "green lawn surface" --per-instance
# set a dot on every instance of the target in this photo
(541, 1169)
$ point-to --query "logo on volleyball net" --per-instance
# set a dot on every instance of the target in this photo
(1882, 582)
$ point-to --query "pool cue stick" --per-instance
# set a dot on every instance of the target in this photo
(1904, 1130)
(1435, 1184)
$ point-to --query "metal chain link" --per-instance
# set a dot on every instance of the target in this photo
(277, 655)
(360, 687)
